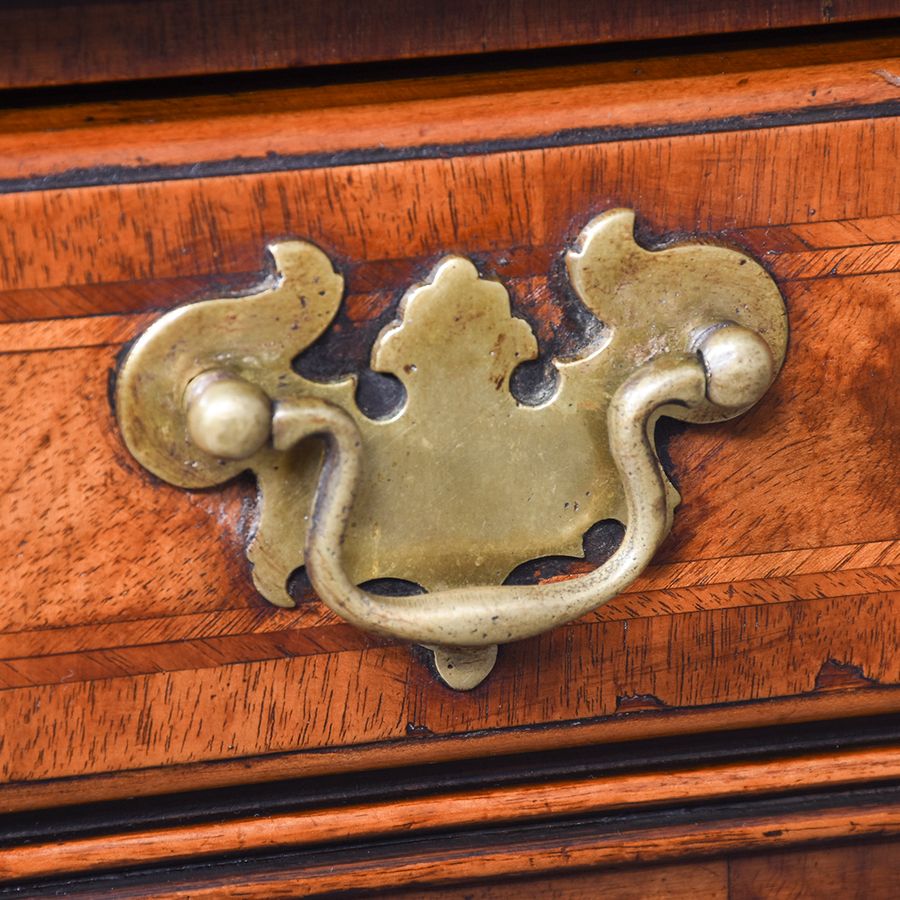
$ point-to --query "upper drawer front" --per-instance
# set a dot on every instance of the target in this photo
(55, 42)
(131, 637)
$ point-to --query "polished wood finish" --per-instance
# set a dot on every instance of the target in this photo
(516, 804)
(432, 864)
(137, 661)
(867, 871)
(50, 43)
(861, 872)
(653, 723)
(131, 639)
(708, 879)
(856, 872)
(306, 126)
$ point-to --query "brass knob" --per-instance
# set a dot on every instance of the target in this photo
(227, 417)
(739, 365)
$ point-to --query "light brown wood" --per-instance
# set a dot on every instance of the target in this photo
(469, 809)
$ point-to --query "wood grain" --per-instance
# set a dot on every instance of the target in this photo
(502, 202)
(828, 701)
(708, 879)
(861, 872)
(858, 872)
(131, 639)
(519, 804)
(310, 126)
(90, 238)
(58, 43)
(536, 854)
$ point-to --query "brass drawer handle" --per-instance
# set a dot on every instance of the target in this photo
(694, 331)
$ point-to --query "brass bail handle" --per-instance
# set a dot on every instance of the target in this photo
(462, 482)
(230, 418)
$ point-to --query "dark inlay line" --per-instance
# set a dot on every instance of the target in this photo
(274, 162)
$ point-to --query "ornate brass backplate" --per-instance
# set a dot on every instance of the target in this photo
(462, 483)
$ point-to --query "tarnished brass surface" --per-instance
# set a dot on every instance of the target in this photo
(463, 483)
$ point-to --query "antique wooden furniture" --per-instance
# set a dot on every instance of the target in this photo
(727, 726)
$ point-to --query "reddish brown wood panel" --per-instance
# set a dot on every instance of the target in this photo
(517, 805)
(434, 864)
(130, 636)
(291, 127)
(517, 209)
(104, 40)
(707, 880)
(858, 872)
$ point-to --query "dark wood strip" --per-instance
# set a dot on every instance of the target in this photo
(487, 807)
(590, 842)
(48, 42)
(654, 725)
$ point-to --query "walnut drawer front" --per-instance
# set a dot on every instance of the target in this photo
(135, 655)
